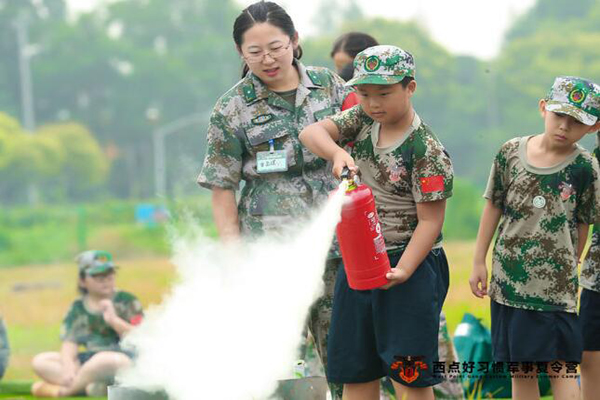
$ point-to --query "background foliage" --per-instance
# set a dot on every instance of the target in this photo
(103, 82)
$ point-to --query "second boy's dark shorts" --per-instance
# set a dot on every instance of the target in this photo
(589, 317)
(377, 333)
(520, 335)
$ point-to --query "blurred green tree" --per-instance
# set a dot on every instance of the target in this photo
(83, 167)
(65, 161)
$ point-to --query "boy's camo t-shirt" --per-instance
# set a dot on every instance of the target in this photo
(534, 263)
(91, 331)
(415, 169)
(590, 271)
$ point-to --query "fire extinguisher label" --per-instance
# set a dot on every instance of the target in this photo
(372, 218)
(379, 244)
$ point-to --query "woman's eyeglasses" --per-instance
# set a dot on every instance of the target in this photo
(256, 58)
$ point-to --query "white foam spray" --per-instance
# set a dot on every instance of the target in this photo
(232, 325)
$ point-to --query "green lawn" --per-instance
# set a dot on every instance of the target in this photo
(18, 390)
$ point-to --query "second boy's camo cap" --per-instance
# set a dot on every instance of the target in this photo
(94, 262)
(382, 65)
(577, 97)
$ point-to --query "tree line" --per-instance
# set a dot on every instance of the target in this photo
(102, 83)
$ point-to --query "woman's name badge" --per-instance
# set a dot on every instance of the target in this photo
(271, 161)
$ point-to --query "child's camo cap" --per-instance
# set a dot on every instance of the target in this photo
(382, 65)
(94, 262)
(577, 97)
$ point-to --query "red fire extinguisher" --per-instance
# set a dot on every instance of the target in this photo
(361, 240)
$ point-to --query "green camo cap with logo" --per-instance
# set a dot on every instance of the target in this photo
(94, 262)
(577, 97)
(382, 65)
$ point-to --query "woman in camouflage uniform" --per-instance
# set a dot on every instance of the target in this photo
(97, 321)
(253, 137)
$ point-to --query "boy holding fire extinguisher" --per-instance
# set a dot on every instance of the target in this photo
(391, 332)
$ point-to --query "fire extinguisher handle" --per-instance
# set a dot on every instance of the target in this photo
(345, 173)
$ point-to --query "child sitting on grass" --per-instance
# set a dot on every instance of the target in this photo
(96, 321)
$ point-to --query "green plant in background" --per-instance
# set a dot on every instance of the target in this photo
(462, 211)
(53, 233)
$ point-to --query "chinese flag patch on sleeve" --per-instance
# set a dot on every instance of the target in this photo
(350, 101)
(432, 184)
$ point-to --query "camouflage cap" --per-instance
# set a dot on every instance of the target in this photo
(94, 262)
(382, 65)
(577, 97)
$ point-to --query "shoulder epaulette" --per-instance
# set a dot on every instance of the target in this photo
(314, 77)
(249, 92)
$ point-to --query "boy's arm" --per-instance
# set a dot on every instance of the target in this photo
(583, 231)
(320, 138)
(431, 218)
(113, 319)
(487, 226)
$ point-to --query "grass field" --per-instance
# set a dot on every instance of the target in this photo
(33, 300)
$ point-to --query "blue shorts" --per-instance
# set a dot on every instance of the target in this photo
(589, 317)
(85, 356)
(520, 335)
(377, 333)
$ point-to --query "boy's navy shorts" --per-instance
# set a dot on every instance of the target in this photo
(394, 332)
(520, 335)
(589, 317)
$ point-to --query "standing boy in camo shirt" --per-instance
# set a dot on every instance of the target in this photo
(543, 189)
(589, 311)
(393, 332)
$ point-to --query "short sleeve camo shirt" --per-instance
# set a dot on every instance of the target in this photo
(590, 271)
(416, 169)
(243, 123)
(535, 255)
(91, 331)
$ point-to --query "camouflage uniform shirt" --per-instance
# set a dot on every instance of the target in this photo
(590, 271)
(244, 121)
(89, 329)
(534, 263)
(415, 169)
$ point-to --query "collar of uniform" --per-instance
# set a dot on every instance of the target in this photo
(308, 78)
(545, 170)
(254, 89)
(375, 129)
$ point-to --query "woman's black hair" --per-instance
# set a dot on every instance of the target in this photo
(347, 72)
(353, 43)
(263, 11)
